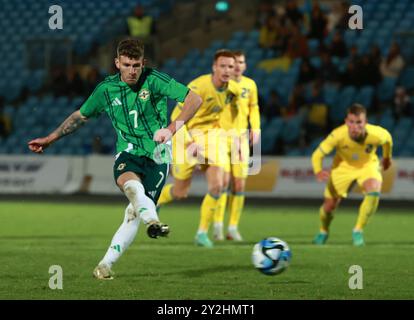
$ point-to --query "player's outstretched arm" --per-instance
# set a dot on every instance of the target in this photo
(71, 124)
(191, 104)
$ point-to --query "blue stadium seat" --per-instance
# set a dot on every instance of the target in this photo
(365, 96)
(407, 78)
(253, 35)
(405, 24)
(187, 63)
(270, 134)
(386, 89)
(233, 44)
(313, 45)
(292, 129)
(387, 120)
(316, 62)
(172, 62)
(330, 94)
(217, 44)
(337, 112)
(238, 35)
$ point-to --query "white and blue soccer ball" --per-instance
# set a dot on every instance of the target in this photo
(271, 256)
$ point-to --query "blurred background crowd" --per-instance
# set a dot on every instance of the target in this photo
(308, 64)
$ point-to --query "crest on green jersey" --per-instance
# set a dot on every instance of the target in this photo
(121, 166)
(144, 94)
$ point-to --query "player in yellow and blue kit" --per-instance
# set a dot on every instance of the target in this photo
(236, 121)
(218, 92)
(356, 143)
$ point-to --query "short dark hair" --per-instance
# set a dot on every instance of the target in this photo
(131, 48)
(239, 53)
(357, 109)
(224, 53)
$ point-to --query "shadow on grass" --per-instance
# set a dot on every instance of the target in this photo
(204, 272)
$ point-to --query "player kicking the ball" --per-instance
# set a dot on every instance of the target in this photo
(135, 100)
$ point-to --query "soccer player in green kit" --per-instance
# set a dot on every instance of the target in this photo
(135, 99)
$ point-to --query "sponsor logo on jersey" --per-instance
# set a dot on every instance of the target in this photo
(144, 94)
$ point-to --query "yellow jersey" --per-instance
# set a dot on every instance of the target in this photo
(245, 110)
(214, 102)
(352, 153)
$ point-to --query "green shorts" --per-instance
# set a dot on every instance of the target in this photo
(152, 175)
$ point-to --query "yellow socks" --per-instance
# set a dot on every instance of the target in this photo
(236, 208)
(368, 207)
(221, 208)
(208, 208)
(326, 218)
(166, 195)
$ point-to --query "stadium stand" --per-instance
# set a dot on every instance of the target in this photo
(26, 94)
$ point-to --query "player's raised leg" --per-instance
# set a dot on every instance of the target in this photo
(144, 207)
(368, 207)
(175, 191)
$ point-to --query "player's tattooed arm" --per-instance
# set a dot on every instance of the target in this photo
(71, 124)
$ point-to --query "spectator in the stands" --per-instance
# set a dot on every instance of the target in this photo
(273, 107)
(317, 113)
(368, 72)
(334, 16)
(92, 79)
(338, 47)
(268, 33)
(75, 83)
(375, 55)
(350, 77)
(140, 25)
(293, 13)
(265, 10)
(354, 56)
(392, 65)
(327, 71)
(296, 102)
(298, 44)
(402, 106)
(318, 24)
(343, 23)
(59, 85)
(5, 121)
(307, 72)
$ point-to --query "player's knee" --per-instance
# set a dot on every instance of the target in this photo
(180, 193)
(215, 189)
(372, 186)
(330, 205)
(130, 213)
(238, 186)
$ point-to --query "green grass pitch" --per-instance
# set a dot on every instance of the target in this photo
(35, 236)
